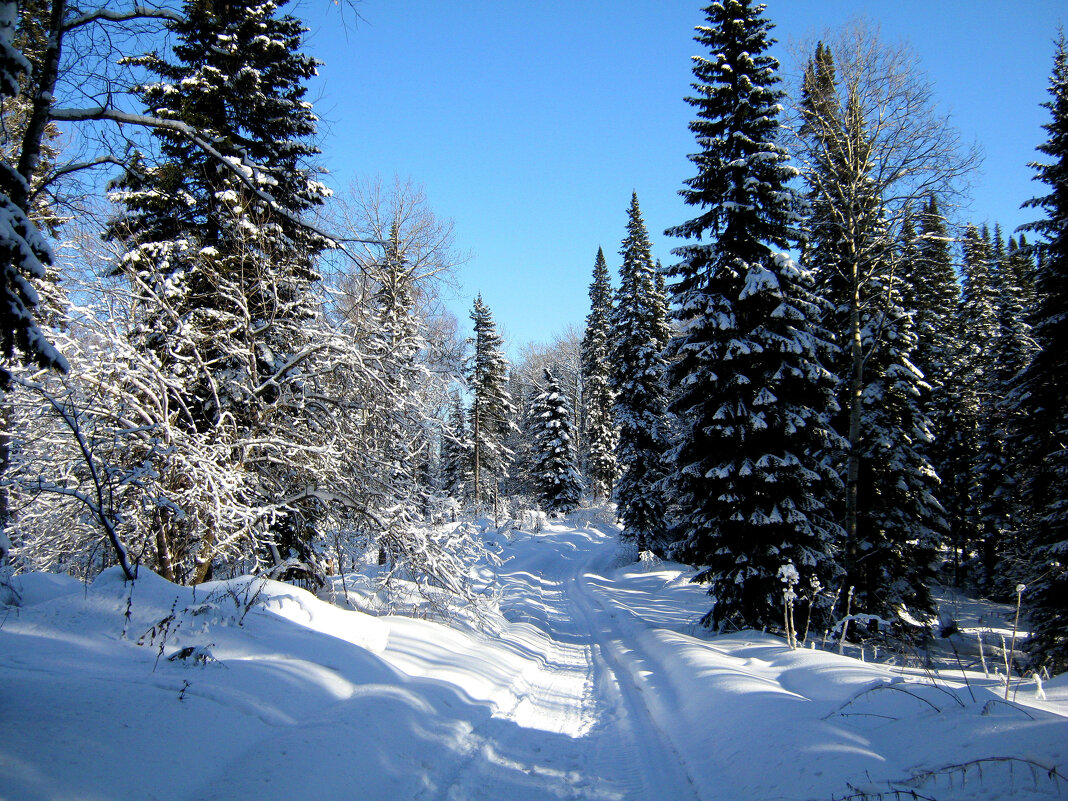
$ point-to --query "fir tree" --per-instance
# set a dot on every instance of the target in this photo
(556, 472)
(492, 411)
(1042, 387)
(749, 480)
(637, 381)
(600, 433)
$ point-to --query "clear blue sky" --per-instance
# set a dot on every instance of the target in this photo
(529, 123)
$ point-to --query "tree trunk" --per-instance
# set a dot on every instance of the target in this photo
(44, 90)
(856, 397)
(478, 450)
(6, 514)
(163, 551)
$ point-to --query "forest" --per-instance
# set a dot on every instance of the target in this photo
(835, 398)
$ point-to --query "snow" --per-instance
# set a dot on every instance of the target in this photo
(586, 676)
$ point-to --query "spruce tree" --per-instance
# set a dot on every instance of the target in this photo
(600, 435)
(555, 471)
(395, 435)
(750, 481)
(492, 411)
(1042, 388)
(637, 381)
(520, 439)
(976, 426)
(1001, 513)
(934, 299)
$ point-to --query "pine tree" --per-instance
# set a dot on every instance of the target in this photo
(492, 411)
(556, 471)
(892, 517)
(749, 480)
(217, 254)
(1045, 441)
(637, 382)
(600, 433)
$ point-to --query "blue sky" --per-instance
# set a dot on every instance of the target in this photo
(529, 123)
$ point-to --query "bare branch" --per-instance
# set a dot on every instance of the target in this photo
(109, 15)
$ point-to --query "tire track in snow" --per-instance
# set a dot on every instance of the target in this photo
(538, 748)
(584, 726)
(652, 765)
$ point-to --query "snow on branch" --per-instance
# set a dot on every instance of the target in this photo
(109, 15)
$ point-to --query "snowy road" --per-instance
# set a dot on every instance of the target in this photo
(621, 747)
(581, 722)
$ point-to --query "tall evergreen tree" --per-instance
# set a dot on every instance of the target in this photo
(520, 439)
(975, 425)
(638, 383)
(599, 429)
(556, 469)
(1042, 387)
(1020, 263)
(395, 437)
(492, 411)
(750, 481)
(934, 299)
(1002, 517)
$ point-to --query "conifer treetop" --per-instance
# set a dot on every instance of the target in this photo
(742, 170)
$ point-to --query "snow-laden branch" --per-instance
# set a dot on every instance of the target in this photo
(97, 505)
(109, 15)
(241, 168)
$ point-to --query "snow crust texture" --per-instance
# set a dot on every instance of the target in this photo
(592, 681)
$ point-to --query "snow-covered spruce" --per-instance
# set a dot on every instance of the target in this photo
(490, 416)
(639, 333)
(1044, 428)
(24, 253)
(599, 431)
(750, 482)
(556, 474)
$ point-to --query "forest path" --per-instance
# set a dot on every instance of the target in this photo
(600, 689)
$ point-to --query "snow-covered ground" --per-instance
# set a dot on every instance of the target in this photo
(588, 680)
